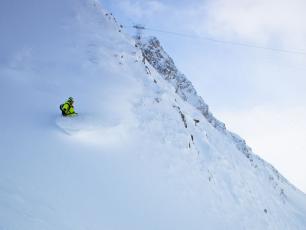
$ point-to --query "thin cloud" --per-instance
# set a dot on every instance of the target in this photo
(141, 9)
(272, 21)
(275, 22)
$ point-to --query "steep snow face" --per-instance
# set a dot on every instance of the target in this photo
(144, 152)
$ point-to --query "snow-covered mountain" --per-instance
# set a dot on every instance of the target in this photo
(145, 152)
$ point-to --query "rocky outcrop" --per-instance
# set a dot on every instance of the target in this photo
(154, 53)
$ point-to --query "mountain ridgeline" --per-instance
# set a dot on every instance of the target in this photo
(156, 56)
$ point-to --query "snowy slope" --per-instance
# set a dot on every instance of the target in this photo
(134, 158)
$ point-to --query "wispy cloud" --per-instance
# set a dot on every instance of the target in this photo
(272, 21)
(141, 10)
(279, 22)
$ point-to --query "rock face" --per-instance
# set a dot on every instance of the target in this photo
(154, 53)
(156, 56)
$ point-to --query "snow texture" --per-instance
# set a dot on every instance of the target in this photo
(144, 152)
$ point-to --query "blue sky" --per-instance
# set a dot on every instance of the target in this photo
(259, 94)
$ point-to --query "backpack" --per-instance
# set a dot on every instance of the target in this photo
(61, 108)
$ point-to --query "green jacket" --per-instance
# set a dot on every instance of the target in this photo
(68, 109)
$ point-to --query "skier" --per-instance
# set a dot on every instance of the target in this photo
(67, 108)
